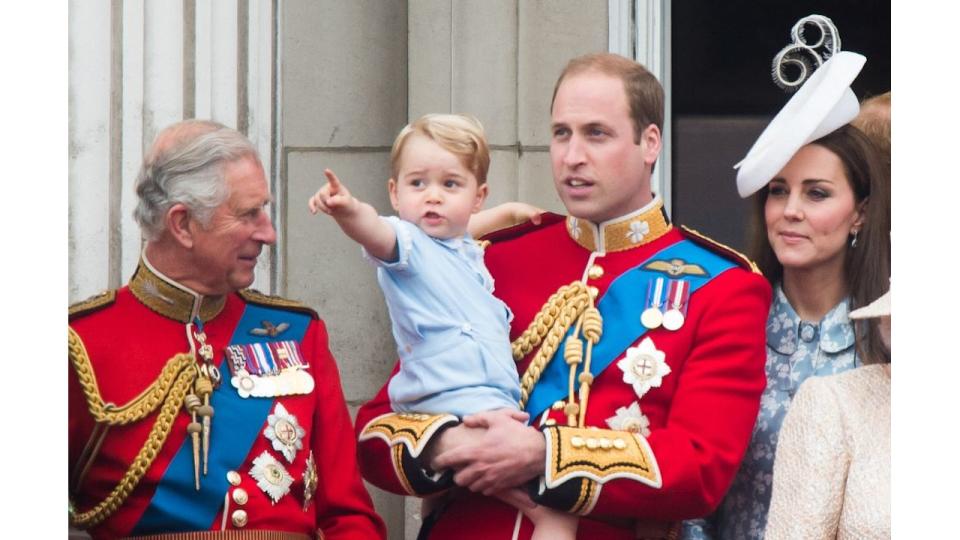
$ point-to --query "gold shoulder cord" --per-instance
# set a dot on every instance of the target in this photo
(167, 393)
(571, 304)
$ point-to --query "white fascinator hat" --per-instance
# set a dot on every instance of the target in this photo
(823, 104)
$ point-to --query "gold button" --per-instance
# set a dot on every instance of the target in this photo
(619, 444)
(240, 496)
(233, 477)
(550, 422)
(576, 442)
(593, 291)
(595, 272)
(557, 405)
(239, 518)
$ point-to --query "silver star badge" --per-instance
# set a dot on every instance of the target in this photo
(271, 477)
(284, 432)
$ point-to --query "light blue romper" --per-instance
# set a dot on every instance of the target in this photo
(452, 334)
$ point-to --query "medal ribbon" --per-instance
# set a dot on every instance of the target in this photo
(620, 310)
(178, 507)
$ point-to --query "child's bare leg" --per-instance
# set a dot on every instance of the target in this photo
(549, 524)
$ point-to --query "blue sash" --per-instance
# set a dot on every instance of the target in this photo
(178, 507)
(620, 307)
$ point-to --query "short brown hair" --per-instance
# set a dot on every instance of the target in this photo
(866, 267)
(874, 120)
(644, 92)
(460, 134)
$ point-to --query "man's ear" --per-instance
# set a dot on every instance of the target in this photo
(179, 223)
(651, 142)
(482, 192)
(392, 189)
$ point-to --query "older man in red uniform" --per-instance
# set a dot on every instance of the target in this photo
(199, 409)
(641, 348)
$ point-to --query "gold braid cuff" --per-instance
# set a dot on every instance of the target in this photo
(171, 387)
(556, 316)
(598, 454)
(412, 430)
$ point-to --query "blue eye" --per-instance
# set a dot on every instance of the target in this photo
(450, 183)
(416, 182)
(776, 190)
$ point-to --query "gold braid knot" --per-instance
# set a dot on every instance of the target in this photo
(175, 380)
(556, 316)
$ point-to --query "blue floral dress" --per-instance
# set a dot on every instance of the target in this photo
(796, 350)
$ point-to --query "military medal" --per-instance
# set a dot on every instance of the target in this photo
(652, 317)
(269, 369)
(284, 432)
(310, 480)
(677, 300)
(272, 478)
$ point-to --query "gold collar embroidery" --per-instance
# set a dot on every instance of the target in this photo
(625, 232)
(171, 299)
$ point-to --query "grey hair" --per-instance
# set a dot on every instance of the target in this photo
(185, 166)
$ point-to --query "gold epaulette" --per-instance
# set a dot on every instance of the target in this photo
(598, 454)
(94, 303)
(723, 249)
(256, 297)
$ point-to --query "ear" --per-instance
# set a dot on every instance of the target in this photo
(394, 199)
(180, 224)
(651, 143)
(861, 215)
(482, 192)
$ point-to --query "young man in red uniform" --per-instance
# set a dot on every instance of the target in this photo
(641, 348)
(198, 408)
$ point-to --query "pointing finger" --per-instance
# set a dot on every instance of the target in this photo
(335, 185)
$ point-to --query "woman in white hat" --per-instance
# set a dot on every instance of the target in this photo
(832, 473)
(821, 236)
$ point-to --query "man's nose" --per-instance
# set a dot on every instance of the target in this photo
(265, 232)
(573, 154)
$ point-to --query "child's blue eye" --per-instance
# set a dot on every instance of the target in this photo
(450, 183)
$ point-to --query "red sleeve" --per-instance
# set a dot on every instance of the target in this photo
(713, 410)
(385, 440)
(344, 508)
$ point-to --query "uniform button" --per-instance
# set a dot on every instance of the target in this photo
(592, 443)
(576, 442)
(557, 405)
(595, 272)
(605, 443)
(233, 477)
(239, 518)
(807, 331)
(619, 444)
(240, 496)
(466, 327)
(593, 291)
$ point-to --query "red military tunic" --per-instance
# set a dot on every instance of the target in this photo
(700, 417)
(127, 337)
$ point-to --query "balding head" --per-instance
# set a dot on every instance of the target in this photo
(185, 165)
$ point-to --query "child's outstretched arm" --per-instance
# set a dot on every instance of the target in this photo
(502, 216)
(358, 219)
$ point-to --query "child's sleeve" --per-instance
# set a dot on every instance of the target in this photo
(407, 238)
